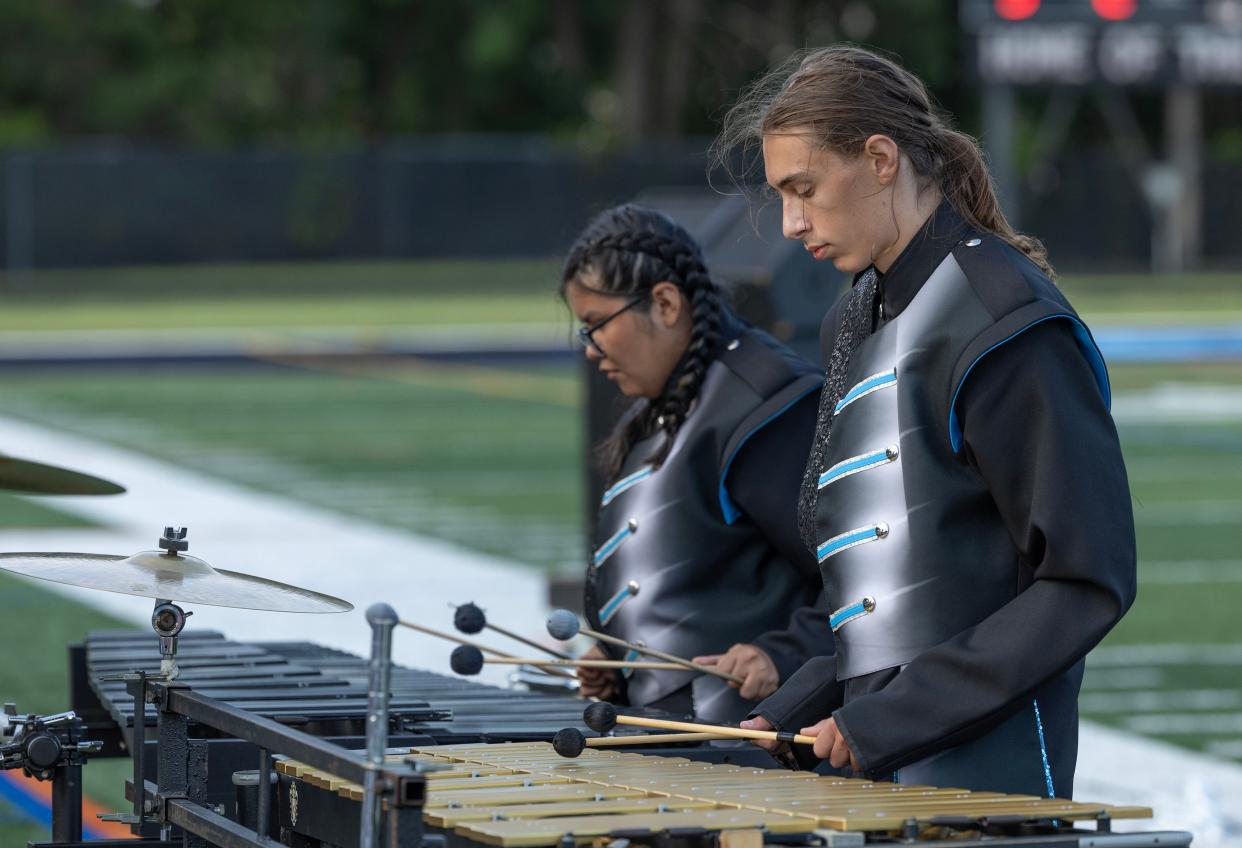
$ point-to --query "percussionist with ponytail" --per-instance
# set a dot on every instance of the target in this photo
(696, 551)
(965, 494)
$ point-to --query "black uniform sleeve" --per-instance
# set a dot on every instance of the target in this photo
(810, 694)
(763, 483)
(1037, 430)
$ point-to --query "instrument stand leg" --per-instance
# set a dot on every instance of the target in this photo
(182, 764)
(67, 804)
(137, 688)
(382, 619)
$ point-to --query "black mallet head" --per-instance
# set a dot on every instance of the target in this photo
(600, 717)
(563, 625)
(569, 742)
(468, 618)
(466, 659)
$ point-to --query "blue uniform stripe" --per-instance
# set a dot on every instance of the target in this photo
(624, 485)
(1043, 750)
(614, 604)
(846, 614)
(630, 656)
(853, 465)
(606, 550)
(866, 387)
(849, 539)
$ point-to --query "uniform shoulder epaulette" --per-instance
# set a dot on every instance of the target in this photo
(1002, 276)
(761, 363)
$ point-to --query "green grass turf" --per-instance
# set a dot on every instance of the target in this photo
(422, 293)
(1186, 484)
(1155, 298)
(484, 457)
(22, 513)
(360, 310)
(416, 293)
(340, 279)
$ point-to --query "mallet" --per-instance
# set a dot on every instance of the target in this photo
(439, 634)
(571, 743)
(469, 618)
(602, 718)
(564, 625)
(468, 659)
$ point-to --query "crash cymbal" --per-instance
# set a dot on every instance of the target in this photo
(171, 575)
(23, 475)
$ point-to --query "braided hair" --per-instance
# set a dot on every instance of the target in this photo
(626, 251)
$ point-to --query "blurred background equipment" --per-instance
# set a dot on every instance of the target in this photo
(1099, 52)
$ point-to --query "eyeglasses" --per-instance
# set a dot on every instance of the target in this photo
(586, 335)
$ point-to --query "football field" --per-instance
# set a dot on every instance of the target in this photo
(423, 448)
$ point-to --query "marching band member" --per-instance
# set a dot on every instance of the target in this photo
(696, 548)
(965, 493)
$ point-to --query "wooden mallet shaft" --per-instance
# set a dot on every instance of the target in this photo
(652, 652)
(733, 732)
(440, 634)
(650, 739)
(530, 643)
(575, 663)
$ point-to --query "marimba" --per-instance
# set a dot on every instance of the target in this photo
(317, 690)
(479, 770)
(523, 795)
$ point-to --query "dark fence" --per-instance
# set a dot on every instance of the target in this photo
(453, 197)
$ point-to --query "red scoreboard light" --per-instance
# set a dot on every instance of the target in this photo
(1114, 10)
(1148, 43)
(1016, 10)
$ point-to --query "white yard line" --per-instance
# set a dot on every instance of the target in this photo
(1179, 403)
(1189, 572)
(237, 528)
(1165, 654)
(1160, 700)
(1187, 791)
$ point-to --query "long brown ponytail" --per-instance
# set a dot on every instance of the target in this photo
(843, 95)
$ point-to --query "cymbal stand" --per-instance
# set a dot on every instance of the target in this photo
(168, 620)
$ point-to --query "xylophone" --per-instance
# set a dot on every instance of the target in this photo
(479, 769)
(524, 795)
(317, 690)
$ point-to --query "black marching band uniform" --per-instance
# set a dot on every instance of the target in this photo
(973, 524)
(703, 552)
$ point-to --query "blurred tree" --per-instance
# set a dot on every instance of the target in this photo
(306, 71)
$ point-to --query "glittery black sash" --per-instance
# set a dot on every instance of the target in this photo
(856, 325)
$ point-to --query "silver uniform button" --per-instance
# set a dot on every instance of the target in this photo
(974, 242)
(632, 586)
(733, 345)
(869, 603)
(881, 530)
(890, 453)
(632, 524)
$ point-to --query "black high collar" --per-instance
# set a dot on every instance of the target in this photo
(930, 245)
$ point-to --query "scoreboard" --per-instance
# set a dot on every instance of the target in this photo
(1144, 43)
